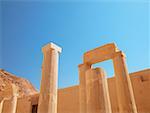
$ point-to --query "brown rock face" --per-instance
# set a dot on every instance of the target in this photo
(25, 88)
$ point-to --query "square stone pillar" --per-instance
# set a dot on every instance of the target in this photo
(82, 86)
(98, 100)
(126, 101)
(48, 91)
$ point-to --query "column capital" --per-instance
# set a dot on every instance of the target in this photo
(51, 46)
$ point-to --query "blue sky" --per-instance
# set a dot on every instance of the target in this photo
(77, 27)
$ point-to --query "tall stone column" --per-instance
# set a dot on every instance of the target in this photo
(98, 100)
(126, 101)
(48, 91)
(82, 86)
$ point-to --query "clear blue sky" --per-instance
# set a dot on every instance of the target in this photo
(77, 27)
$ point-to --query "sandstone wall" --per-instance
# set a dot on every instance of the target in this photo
(68, 98)
(141, 87)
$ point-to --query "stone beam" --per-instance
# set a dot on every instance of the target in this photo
(48, 91)
(100, 54)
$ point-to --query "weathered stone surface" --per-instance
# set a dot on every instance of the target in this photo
(7, 79)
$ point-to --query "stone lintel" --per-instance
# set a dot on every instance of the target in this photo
(51, 46)
(98, 58)
(100, 54)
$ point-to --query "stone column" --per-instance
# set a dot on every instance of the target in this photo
(48, 91)
(82, 86)
(14, 104)
(10, 104)
(7, 105)
(98, 100)
(1, 104)
(14, 98)
(104, 85)
(126, 102)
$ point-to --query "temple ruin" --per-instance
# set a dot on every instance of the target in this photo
(123, 93)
